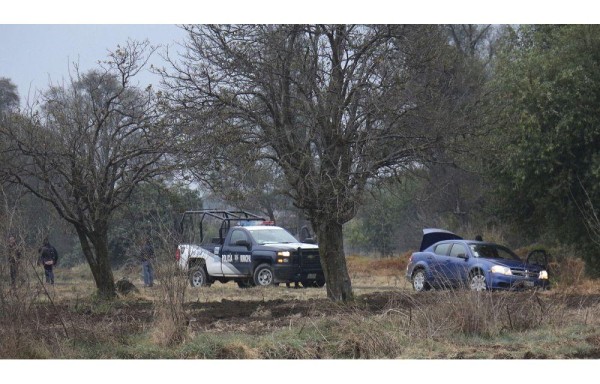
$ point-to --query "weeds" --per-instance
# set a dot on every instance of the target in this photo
(171, 320)
(223, 322)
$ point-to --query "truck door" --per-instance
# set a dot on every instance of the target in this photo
(236, 255)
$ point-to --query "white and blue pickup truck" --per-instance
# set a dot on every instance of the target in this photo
(245, 249)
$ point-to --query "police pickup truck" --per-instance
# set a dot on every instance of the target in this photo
(245, 249)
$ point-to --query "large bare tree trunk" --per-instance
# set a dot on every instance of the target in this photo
(333, 260)
(95, 249)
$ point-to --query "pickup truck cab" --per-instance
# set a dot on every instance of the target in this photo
(247, 250)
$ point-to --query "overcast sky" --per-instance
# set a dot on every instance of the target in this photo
(34, 55)
(39, 40)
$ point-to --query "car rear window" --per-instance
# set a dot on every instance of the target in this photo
(442, 249)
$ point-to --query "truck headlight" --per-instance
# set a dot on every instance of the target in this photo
(543, 275)
(283, 257)
(501, 270)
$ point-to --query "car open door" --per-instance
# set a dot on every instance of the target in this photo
(538, 257)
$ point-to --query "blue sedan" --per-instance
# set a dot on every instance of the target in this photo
(446, 260)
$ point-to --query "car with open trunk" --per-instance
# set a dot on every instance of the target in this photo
(447, 260)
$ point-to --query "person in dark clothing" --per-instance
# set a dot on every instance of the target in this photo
(146, 257)
(49, 259)
(14, 259)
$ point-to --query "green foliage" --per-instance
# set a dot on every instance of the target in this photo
(549, 83)
(383, 220)
(152, 209)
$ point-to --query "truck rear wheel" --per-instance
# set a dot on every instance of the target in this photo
(198, 277)
(263, 275)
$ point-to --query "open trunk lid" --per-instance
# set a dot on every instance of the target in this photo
(433, 235)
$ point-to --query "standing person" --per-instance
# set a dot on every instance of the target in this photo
(146, 256)
(49, 259)
(14, 258)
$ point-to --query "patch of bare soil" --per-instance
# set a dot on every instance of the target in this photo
(262, 316)
(252, 316)
(255, 316)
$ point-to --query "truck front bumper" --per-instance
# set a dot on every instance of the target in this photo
(296, 273)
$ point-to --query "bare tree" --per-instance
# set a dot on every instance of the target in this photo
(87, 148)
(474, 40)
(336, 107)
(9, 97)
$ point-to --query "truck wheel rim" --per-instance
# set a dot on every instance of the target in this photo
(198, 279)
(265, 277)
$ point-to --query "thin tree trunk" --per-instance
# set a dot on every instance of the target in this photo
(333, 261)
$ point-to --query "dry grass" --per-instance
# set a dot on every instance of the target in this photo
(387, 320)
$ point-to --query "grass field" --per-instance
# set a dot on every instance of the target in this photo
(387, 320)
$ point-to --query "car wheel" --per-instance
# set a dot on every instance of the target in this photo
(198, 277)
(419, 281)
(477, 281)
(263, 275)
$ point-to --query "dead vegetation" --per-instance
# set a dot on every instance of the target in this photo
(225, 322)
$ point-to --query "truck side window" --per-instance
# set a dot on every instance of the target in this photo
(236, 236)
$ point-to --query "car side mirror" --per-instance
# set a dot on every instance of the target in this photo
(310, 240)
(462, 256)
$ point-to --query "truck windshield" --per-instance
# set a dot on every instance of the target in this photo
(268, 235)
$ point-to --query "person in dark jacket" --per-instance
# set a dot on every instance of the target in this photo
(146, 257)
(49, 259)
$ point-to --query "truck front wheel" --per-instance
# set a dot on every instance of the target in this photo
(263, 275)
(198, 277)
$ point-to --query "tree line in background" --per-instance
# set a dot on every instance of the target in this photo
(366, 133)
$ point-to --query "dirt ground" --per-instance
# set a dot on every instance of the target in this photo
(256, 311)
(261, 311)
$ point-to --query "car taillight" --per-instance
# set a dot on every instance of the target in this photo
(177, 254)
